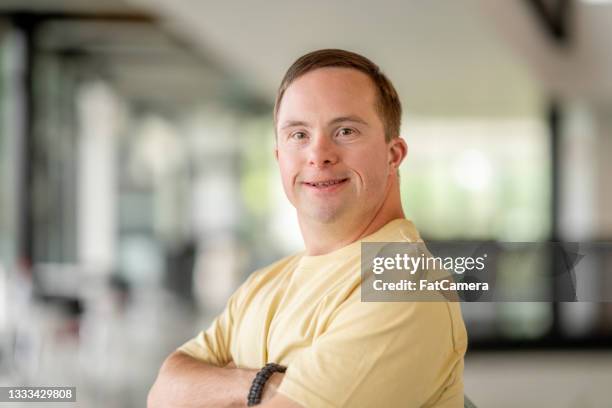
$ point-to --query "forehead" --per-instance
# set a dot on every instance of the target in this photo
(329, 91)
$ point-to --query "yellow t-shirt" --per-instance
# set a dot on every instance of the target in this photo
(305, 312)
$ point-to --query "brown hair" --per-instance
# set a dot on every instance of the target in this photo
(388, 104)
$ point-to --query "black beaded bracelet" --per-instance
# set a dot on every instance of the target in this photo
(260, 380)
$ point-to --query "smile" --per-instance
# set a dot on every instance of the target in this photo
(325, 183)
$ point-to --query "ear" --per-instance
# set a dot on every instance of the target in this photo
(398, 149)
(276, 152)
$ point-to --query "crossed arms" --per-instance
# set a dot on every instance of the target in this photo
(186, 382)
(371, 354)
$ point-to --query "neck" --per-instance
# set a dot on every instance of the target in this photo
(322, 238)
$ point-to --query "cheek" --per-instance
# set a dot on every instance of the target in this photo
(377, 178)
(288, 169)
(373, 168)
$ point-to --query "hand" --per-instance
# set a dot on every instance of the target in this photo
(272, 386)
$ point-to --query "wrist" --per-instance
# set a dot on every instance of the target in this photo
(242, 378)
(263, 378)
(271, 386)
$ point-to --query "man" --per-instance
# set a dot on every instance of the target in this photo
(337, 120)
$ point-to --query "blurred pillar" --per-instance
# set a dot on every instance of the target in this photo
(24, 125)
(97, 179)
(603, 123)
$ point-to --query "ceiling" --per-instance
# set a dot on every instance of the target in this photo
(144, 63)
(443, 56)
(122, 43)
(581, 70)
(460, 57)
(68, 6)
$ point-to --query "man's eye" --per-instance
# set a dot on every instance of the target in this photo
(346, 132)
(298, 135)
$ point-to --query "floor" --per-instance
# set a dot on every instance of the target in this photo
(539, 379)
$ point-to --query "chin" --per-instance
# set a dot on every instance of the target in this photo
(325, 215)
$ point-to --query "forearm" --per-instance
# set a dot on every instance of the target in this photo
(185, 382)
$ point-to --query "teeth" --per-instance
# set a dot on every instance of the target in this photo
(326, 183)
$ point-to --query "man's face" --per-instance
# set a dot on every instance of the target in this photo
(331, 149)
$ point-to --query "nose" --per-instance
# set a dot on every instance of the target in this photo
(323, 152)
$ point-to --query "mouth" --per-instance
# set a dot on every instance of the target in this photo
(326, 185)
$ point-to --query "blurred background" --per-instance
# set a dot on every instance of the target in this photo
(138, 186)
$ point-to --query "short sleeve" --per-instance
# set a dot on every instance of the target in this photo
(390, 354)
(212, 345)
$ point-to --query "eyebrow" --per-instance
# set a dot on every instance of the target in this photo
(340, 119)
(350, 118)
